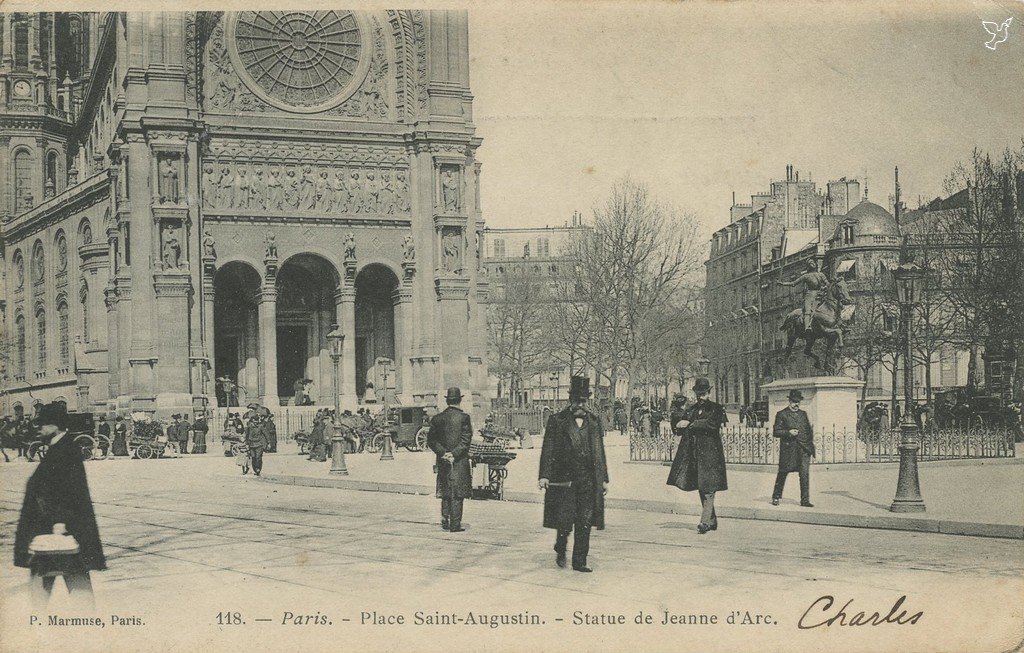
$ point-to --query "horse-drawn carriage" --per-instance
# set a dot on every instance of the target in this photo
(407, 426)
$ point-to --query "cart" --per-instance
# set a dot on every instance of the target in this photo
(146, 440)
(406, 426)
(493, 458)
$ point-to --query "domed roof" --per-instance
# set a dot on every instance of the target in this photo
(870, 219)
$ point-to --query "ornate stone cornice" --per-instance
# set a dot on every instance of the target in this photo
(69, 202)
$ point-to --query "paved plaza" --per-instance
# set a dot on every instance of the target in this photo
(190, 542)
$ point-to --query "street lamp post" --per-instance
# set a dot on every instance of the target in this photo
(337, 339)
(908, 277)
(385, 450)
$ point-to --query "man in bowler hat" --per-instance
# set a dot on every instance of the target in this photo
(796, 448)
(449, 437)
(57, 494)
(574, 475)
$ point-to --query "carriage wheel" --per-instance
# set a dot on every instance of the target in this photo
(375, 443)
(421, 439)
(144, 451)
(88, 446)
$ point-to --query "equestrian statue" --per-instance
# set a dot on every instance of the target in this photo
(826, 311)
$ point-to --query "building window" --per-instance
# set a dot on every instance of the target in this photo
(21, 43)
(526, 250)
(83, 296)
(23, 196)
(847, 234)
(41, 340)
(543, 247)
(499, 247)
(51, 171)
(62, 326)
(19, 328)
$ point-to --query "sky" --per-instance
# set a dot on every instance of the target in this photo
(700, 100)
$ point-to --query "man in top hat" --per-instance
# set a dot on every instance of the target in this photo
(574, 474)
(179, 433)
(200, 427)
(58, 494)
(699, 462)
(796, 448)
(449, 437)
(812, 282)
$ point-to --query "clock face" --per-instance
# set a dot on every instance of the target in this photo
(22, 88)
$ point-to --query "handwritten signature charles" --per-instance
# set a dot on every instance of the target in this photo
(821, 613)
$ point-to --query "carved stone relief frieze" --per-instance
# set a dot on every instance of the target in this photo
(306, 188)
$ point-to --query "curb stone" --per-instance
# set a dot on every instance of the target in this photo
(883, 522)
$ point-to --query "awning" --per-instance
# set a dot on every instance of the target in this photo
(846, 266)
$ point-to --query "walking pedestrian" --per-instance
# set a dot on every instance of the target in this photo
(257, 442)
(699, 462)
(574, 475)
(57, 503)
(119, 447)
(200, 427)
(449, 437)
(796, 448)
(104, 430)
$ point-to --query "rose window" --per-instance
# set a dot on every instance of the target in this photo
(301, 61)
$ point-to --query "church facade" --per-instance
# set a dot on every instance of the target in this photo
(194, 201)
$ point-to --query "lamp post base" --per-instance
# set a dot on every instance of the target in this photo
(338, 466)
(386, 452)
(908, 488)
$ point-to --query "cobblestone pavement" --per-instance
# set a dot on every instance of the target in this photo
(190, 543)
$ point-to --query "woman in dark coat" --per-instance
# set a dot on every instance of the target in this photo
(700, 460)
(57, 493)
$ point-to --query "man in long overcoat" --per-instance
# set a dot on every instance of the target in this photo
(200, 428)
(796, 448)
(574, 475)
(699, 463)
(449, 437)
(257, 441)
(57, 493)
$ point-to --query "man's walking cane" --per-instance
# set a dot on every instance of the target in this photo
(451, 492)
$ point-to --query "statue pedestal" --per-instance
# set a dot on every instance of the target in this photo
(830, 401)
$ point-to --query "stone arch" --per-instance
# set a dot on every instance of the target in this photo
(18, 261)
(60, 248)
(85, 232)
(305, 312)
(236, 332)
(375, 333)
(38, 261)
(23, 178)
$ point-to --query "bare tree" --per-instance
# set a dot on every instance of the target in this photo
(518, 326)
(640, 253)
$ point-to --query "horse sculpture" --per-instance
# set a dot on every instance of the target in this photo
(826, 323)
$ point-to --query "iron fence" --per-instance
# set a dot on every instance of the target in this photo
(528, 419)
(757, 446)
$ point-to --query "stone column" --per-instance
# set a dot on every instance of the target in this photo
(207, 318)
(402, 303)
(113, 347)
(345, 306)
(252, 363)
(268, 346)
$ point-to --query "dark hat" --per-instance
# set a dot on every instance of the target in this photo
(55, 413)
(796, 395)
(701, 385)
(454, 394)
(579, 386)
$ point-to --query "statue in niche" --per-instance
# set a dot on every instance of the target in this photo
(402, 192)
(372, 193)
(386, 195)
(241, 189)
(209, 187)
(324, 197)
(451, 246)
(271, 245)
(307, 190)
(291, 189)
(209, 245)
(62, 255)
(225, 194)
(357, 200)
(257, 189)
(340, 194)
(171, 252)
(275, 191)
(19, 273)
(410, 249)
(450, 190)
(86, 234)
(350, 247)
(167, 184)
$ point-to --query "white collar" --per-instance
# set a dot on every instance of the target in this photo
(57, 438)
